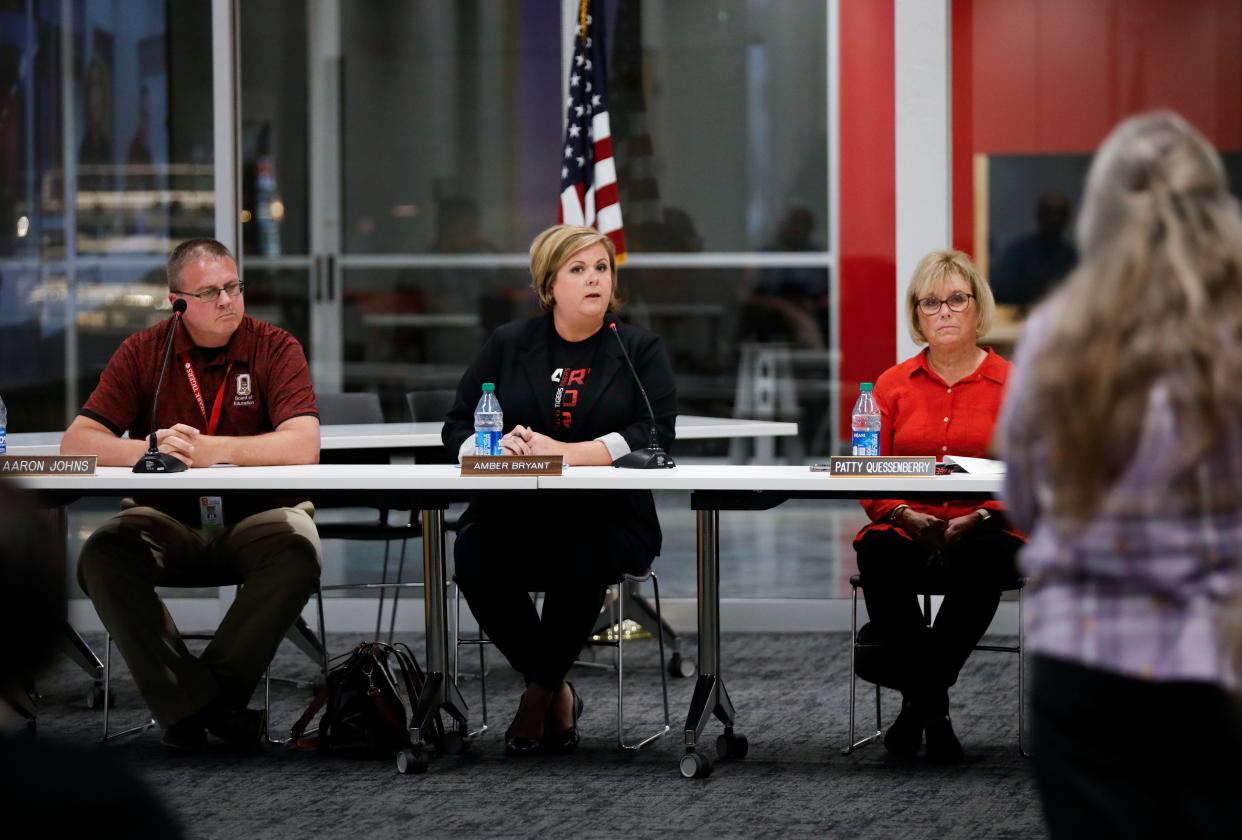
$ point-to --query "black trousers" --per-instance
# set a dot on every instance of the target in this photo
(1127, 758)
(571, 560)
(971, 573)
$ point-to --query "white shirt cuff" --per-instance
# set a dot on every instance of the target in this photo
(616, 444)
(466, 448)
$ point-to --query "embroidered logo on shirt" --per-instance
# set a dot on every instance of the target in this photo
(243, 393)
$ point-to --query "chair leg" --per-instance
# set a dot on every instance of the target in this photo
(396, 594)
(482, 644)
(107, 700)
(621, 660)
(379, 609)
(879, 731)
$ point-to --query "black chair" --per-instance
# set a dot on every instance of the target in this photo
(428, 406)
(615, 641)
(358, 408)
(870, 660)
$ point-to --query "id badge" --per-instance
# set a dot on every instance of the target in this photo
(211, 512)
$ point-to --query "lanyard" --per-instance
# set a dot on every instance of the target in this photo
(198, 394)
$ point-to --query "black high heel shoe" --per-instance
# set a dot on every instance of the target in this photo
(565, 741)
(519, 747)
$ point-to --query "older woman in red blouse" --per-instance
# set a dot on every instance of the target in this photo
(943, 401)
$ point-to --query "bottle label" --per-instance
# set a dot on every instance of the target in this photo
(866, 443)
(4, 447)
(487, 443)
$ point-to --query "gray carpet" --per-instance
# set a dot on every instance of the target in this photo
(790, 691)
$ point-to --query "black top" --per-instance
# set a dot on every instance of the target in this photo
(519, 359)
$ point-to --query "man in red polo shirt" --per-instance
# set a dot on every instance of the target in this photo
(237, 392)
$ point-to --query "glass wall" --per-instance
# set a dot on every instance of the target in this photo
(398, 161)
(105, 161)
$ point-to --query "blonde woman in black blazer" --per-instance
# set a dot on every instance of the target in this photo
(565, 389)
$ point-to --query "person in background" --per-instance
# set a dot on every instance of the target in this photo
(238, 392)
(565, 389)
(1032, 265)
(1123, 439)
(49, 787)
(942, 401)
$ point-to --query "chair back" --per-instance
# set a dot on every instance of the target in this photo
(346, 409)
(343, 409)
(430, 405)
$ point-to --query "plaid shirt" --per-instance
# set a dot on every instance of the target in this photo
(1143, 588)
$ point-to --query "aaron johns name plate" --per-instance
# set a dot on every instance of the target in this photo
(870, 466)
(47, 464)
(512, 464)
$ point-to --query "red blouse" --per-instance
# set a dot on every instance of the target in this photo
(922, 415)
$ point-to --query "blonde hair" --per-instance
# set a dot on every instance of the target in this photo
(554, 247)
(933, 269)
(1157, 298)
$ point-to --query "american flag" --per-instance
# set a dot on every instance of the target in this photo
(588, 169)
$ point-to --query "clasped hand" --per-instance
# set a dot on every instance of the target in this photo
(187, 444)
(524, 441)
(934, 531)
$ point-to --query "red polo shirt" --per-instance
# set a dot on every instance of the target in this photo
(267, 383)
(920, 414)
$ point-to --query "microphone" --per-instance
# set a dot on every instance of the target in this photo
(155, 461)
(653, 457)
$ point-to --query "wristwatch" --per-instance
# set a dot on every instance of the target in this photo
(984, 514)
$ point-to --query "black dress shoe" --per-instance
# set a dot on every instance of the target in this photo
(518, 746)
(521, 747)
(241, 729)
(185, 735)
(565, 741)
(942, 744)
(905, 736)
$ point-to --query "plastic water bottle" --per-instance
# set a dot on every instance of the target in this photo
(489, 422)
(866, 422)
(4, 428)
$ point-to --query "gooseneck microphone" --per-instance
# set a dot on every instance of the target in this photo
(653, 457)
(155, 461)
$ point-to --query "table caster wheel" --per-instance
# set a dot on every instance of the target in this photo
(681, 668)
(411, 761)
(695, 766)
(730, 747)
(454, 743)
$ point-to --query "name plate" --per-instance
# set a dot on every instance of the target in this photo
(48, 464)
(870, 466)
(512, 464)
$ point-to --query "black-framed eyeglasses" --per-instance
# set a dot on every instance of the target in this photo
(958, 301)
(234, 289)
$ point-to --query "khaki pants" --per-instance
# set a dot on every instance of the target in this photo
(275, 555)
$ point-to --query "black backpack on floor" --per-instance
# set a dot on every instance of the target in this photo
(368, 704)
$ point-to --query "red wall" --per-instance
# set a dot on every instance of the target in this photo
(868, 196)
(1054, 76)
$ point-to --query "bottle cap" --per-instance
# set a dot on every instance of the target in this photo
(864, 387)
(489, 387)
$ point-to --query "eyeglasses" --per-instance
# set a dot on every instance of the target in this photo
(208, 295)
(958, 301)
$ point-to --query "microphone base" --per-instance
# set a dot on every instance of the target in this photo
(159, 462)
(653, 458)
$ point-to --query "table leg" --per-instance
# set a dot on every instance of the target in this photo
(440, 693)
(711, 697)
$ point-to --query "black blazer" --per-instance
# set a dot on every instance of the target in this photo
(517, 359)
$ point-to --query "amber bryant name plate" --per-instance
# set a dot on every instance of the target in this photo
(47, 464)
(512, 464)
(870, 466)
